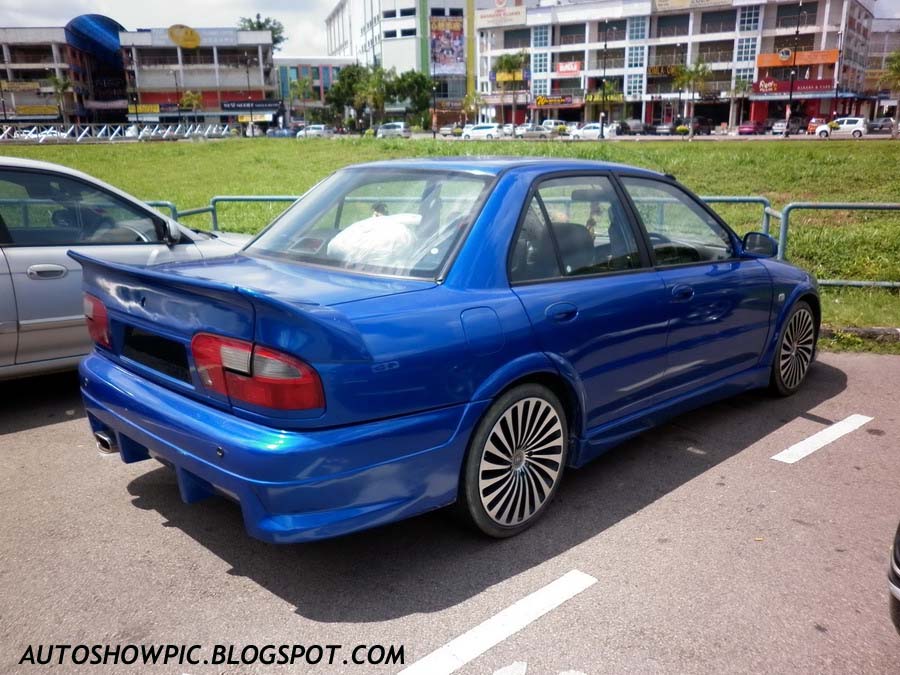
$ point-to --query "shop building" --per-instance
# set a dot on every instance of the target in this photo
(884, 40)
(573, 47)
(319, 73)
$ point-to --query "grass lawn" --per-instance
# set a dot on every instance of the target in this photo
(849, 245)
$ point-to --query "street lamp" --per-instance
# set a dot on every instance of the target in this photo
(789, 111)
(678, 46)
(247, 62)
(603, 79)
(433, 110)
(177, 96)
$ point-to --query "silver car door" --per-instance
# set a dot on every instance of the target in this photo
(8, 323)
(50, 215)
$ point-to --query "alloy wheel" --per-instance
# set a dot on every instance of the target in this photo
(797, 348)
(521, 462)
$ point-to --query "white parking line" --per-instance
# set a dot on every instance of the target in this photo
(819, 440)
(472, 644)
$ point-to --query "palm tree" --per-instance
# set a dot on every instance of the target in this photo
(373, 90)
(739, 91)
(891, 80)
(60, 86)
(511, 66)
(193, 100)
(692, 78)
(471, 104)
(609, 91)
(302, 89)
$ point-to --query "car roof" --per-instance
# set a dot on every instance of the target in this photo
(497, 165)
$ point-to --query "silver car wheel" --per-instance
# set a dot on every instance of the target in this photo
(797, 348)
(521, 462)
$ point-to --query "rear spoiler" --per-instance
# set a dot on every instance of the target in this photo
(306, 329)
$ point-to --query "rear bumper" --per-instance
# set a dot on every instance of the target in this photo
(291, 486)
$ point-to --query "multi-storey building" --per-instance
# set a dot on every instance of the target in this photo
(431, 36)
(232, 71)
(810, 52)
(320, 72)
(83, 54)
(884, 40)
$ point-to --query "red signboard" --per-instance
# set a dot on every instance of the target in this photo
(568, 67)
(769, 86)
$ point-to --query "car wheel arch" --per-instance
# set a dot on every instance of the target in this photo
(802, 292)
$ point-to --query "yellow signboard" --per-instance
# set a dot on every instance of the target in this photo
(510, 76)
(673, 5)
(6, 85)
(37, 110)
(184, 36)
(144, 109)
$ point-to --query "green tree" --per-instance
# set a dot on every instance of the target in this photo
(376, 87)
(692, 78)
(193, 101)
(415, 88)
(343, 91)
(60, 86)
(608, 91)
(510, 65)
(891, 80)
(267, 23)
(472, 102)
(302, 90)
(739, 91)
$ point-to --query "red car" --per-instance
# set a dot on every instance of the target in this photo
(751, 128)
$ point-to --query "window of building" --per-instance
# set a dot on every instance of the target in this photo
(388, 34)
(743, 74)
(389, 13)
(456, 11)
(409, 11)
(634, 85)
(314, 72)
(408, 32)
(635, 57)
(515, 39)
(539, 63)
(749, 18)
(637, 28)
(746, 49)
(437, 11)
(540, 87)
(540, 36)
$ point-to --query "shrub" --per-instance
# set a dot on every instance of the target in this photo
(370, 133)
(562, 130)
(456, 131)
(682, 129)
(833, 125)
(415, 128)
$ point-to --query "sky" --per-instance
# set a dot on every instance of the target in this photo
(304, 20)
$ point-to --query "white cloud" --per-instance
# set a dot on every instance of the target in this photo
(304, 22)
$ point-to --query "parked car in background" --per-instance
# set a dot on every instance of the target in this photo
(814, 123)
(770, 122)
(253, 131)
(894, 581)
(283, 132)
(483, 131)
(572, 127)
(393, 130)
(552, 124)
(796, 126)
(316, 131)
(509, 129)
(751, 128)
(702, 125)
(881, 125)
(635, 127)
(529, 131)
(48, 210)
(853, 127)
(447, 130)
(499, 321)
(590, 132)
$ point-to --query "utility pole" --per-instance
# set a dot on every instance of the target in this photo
(177, 96)
(678, 46)
(789, 111)
(247, 62)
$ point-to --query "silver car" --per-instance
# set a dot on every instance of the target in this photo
(393, 130)
(47, 210)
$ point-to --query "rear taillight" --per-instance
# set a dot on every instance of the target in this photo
(249, 373)
(97, 320)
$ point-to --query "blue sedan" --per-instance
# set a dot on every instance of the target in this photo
(414, 334)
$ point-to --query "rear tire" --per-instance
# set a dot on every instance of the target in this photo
(823, 134)
(515, 461)
(857, 134)
(796, 350)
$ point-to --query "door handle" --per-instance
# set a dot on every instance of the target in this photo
(682, 292)
(561, 312)
(46, 271)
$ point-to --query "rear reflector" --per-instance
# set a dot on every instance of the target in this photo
(97, 320)
(249, 373)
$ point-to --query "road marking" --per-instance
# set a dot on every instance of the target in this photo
(472, 644)
(517, 668)
(819, 440)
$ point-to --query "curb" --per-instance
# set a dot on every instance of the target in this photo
(878, 334)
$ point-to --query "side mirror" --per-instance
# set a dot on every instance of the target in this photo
(173, 233)
(759, 245)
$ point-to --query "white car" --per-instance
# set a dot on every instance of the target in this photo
(527, 131)
(316, 131)
(552, 124)
(393, 130)
(847, 126)
(486, 131)
(590, 132)
(509, 129)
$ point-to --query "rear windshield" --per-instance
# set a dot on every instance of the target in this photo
(387, 221)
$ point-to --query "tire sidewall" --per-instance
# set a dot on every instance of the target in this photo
(469, 497)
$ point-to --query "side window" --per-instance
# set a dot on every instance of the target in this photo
(680, 230)
(533, 256)
(40, 209)
(590, 227)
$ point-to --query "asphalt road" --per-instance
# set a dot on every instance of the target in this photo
(708, 556)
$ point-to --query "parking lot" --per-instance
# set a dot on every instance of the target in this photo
(708, 555)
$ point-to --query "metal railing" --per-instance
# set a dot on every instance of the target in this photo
(717, 27)
(78, 133)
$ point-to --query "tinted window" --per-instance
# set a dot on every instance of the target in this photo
(680, 230)
(40, 209)
(533, 256)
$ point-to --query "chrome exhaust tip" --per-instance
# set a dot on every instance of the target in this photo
(105, 444)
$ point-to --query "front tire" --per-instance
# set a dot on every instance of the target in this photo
(857, 134)
(795, 352)
(823, 134)
(515, 461)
